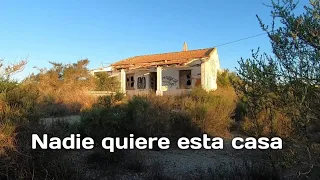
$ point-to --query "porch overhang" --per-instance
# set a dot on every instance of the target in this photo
(174, 63)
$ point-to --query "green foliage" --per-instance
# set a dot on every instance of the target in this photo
(102, 122)
(296, 46)
(119, 96)
(245, 170)
(285, 83)
(17, 103)
(148, 116)
(105, 101)
(25, 163)
(210, 111)
(259, 87)
(63, 89)
(108, 100)
(106, 83)
(225, 78)
(7, 85)
(20, 112)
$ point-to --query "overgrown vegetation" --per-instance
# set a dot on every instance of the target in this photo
(106, 83)
(20, 113)
(281, 93)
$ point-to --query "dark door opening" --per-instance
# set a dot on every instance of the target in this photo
(153, 81)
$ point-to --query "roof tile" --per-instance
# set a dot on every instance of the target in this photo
(164, 58)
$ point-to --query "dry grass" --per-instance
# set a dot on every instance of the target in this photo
(281, 126)
(7, 138)
(211, 112)
(62, 98)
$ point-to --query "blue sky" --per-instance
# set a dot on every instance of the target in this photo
(107, 31)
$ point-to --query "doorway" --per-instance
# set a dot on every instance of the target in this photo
(153, 81)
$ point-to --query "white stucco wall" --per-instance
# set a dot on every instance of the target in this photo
(170, 79)
(211, 68)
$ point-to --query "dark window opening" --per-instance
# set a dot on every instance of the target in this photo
(130, 81)
(141, 83)
(185, 79)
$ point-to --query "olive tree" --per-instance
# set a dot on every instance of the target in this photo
(289, 79)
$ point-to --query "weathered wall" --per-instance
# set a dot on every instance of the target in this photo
(211, 68)
(204, 74)
(170, 79)
(137, 74)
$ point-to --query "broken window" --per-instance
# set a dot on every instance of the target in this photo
(130, 81)
(185, 79)
(141, 83)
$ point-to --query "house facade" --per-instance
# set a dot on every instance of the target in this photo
(168, 73)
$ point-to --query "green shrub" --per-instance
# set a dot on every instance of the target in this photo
(135, 162)
(147, 116)
(106, 83)
(22, 162)
(209, 111)
(225, 78)
(108, 101)
(200, 111)
(17, 103)
(103, 159)
(119, 96)
(105, 101)
(246, 170)
(183, 126)
(98, 123)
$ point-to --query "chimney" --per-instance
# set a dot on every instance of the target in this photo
(185, 47)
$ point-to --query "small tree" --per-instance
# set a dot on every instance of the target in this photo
(296, 46)
(106, 83)
(289, 81)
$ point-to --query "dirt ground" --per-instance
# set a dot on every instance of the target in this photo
(174, 162)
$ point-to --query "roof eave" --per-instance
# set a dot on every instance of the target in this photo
(150, 65)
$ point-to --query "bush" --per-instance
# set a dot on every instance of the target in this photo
(105, 101)
(156, 172)
(20, 110)
(63, 89)
(199, 111)
(101, 158)
(17, 104)
(7, 137)
(98, 123)
(135, 162)
(281, 126)
(225, 78)
(106, 83)
(149, 117)
(246, 170)
(210, 111)
(119, 96)
(108, 101)
(21, 162)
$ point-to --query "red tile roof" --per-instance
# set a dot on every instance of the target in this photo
(179, 58)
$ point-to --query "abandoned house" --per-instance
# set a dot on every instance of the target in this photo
(167, 73)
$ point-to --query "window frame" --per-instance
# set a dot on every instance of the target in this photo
(141, 82)
(130, 81)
